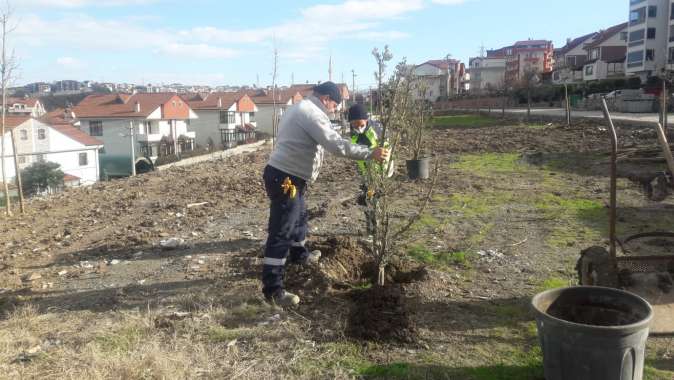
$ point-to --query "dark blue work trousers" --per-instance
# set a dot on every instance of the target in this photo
(287, 229)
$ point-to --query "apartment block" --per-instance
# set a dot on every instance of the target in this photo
(650, 32)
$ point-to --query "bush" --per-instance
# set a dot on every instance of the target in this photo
(164, 160)
(40, 177)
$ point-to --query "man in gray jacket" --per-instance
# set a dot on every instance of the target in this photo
(304, 132)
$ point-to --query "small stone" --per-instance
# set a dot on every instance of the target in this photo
(63, 273)
(114, 262)
(32, 276)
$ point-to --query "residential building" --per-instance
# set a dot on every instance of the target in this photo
(536, 55)
(443, 78)
(606, 54)
(649, 35)
(136, 127)
(264, 101)
(487, 73)
(570, 60)
(25, 107)
(224, 119)
(76, 152)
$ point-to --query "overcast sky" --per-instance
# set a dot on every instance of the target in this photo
(220, 42)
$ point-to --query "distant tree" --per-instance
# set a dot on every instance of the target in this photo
(42, 176)
(529, 80)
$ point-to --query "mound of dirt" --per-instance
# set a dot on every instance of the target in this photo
(381, 314)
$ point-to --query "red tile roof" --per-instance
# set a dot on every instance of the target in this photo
(120, 105)
(13, 121)
(214, 100)
(606, 34)
(77, 135)
(265, 96)
(70, 178)
(57, 116)
(575, 43)
(30, 102)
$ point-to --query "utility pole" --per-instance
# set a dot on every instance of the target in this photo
(353, 84)
(133, 148)
(330, 69)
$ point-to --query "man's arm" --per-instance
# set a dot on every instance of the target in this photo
(320, 129)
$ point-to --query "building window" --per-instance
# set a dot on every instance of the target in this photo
(650, 34)
(96, 128)
(227, 117)
(637, 35)
(40, 158)
(589, 70)
(623, 36)
(671, 55)
(23, 134)
(652, 11)
(671, 13)
(41, 134)
(594, 54)
(252, 117)
(84, 159)
(650, 54)
(638, 16)
(635, 58)
(22, 160)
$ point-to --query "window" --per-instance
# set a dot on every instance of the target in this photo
(635, 58)
(589, 70)
(22, 160)
(84, 159)
(227, 117)
(650, 34)
(671, 13)
(671, 55)
(40, 158)
(252, 117)
(650, 54)
(623, 36)
(147, 125)
(633, 2)
(671, 33)
(41, 134)
(652, 11)
(23, 134)
(637, 35)
(594, 54)
(638, 16)
(96, 128)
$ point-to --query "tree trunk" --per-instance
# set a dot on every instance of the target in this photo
(19, 185)
(381, 277)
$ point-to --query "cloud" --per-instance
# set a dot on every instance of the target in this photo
(200, 51)
(448, 2)
(69, 63)
(81, 3)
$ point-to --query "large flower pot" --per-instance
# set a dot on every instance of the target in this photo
(419, 169)
(592, 333)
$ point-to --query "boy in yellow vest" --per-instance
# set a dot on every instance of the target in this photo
(363, 133)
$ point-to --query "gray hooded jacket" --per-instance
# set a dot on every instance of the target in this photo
(304, 132)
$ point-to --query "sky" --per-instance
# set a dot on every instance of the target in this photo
(225, 42)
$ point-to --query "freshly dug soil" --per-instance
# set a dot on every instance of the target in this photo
(381, 314)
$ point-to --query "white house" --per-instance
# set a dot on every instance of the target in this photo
(444, 78)
(25, 106)
(224, 118)
(487, 73)
(264, 101)
(136, 127)
(76, 152)
(570, 59)
(606, 54)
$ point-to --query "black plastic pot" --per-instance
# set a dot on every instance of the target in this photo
(419, 169)
(592, 333)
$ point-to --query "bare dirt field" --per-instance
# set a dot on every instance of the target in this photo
(87, 290)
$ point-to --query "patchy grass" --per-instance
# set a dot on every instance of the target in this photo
(488, 164)
(552, 283)
(463, 121)
(574, 220)
(422, 254)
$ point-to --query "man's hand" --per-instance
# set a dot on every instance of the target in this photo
(380, 155)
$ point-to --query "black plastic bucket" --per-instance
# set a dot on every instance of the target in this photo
(592, 333)
(419, 169)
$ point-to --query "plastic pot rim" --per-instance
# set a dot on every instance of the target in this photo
(642, 324)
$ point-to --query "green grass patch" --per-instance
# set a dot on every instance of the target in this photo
(491, 163)
(552, 283)
(651, 373)
(576, 220)
(122, 340)
(463, 121)
(422, 254)
(536, 126)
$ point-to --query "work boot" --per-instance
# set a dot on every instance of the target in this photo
(284, 299)
(311, 258)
